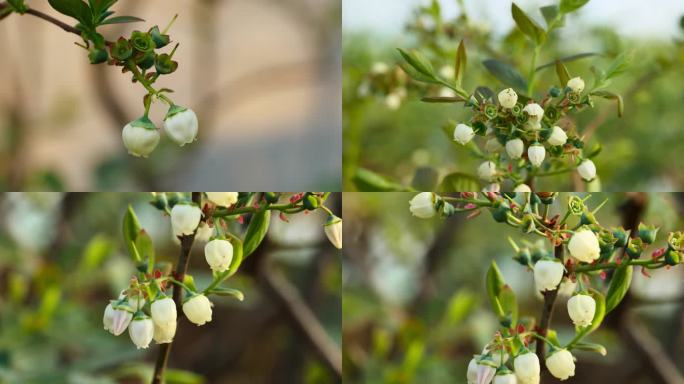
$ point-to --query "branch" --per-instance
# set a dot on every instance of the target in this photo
(304, 319)
(547, 312)
(179, 274)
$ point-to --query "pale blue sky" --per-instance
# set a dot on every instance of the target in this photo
(652, 19)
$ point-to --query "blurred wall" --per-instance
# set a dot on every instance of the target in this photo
(264, 77)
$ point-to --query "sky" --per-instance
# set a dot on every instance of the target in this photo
(650, 19)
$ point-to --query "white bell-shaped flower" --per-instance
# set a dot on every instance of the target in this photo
(527, 368)
(219, 254)
(522, 188)
(163, 311)
(333, 230)
(536, 153)
(587, 170)
(584, 246)
(116, 320)
(487, 171)
(547, 274)
(140, 137)
(515, 148)
(561, 364)
(558, 136)
(581, 309)
(185, 218)
(198, 309)
(535, 112)
(576, 84)
(223, 199)
(463, 134)
(164, 333)
(508, 98)
(423, 205)
(141, 331)
(181, 125)
(505, 378)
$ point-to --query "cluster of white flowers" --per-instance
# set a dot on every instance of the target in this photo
(127, 312)
(492, 368)
(515, 146)
(141, 136)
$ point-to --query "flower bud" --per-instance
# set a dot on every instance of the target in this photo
(522, 188)
(333, 230)
(527, 368)
(164, 333)
(185, 218)
(423, 205)
(535, 112)
(223, 199)
(576, 84)
(647, 233)
(204, 232)
(163, 311)
(141, 332)
(536, 153)
(116, 320)
(581, 309)
(561, 364)
(463, 134)
(622, 236)
(487, 171)
(181, 125)
(515, 148)
(547, 274)
(198, 309)
(567, 288)
(121, 50)
(587, 170)
(558, 136)
(98, 56)
(219, 254)
(393, 101)
(634, 248)
(508, 98)
(584, 246)
(160, 40)
(505, 377)
(140, 137)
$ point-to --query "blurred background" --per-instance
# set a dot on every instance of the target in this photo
(263, 76)
(415, 307)
(62, 259)
(387, 129)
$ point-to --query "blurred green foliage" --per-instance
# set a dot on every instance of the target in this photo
(640, 150)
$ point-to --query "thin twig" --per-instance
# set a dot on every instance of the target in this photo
(179, 274)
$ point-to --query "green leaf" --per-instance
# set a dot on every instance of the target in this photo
(567, 59)
(440, 99)
(619, 285)
(459, 182)
(567, 6)
(506, 73)
(18, 6)
(461, 61)
(74, 8)
(418, 61)
(417, 76)
(495, 284)
(552, 16)
(229, 292)
(527, 25)
(99, 7)
(612, 96)
(99, 248)
(256, 231)
(121, 20)
(131, 229)
(425, 179)
(563, 74)
(509, 303)
(619, 65)
(369, 181)
(237, 256)
(591, 347)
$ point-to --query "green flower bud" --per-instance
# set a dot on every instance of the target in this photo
(145, 60)
(587, 218)
(142, 42)
(523, 257)
(491, 111)
(121, 50)
(527, 224)
(547, 197)
(634, 248)
(98, 56)
(672, 257)
(621, 236)
(675, 241)
(271, 197)
(500, 211)
(554, 91)
(164, 64)
(517, 109)
(574, 97)
(575, 205)
(159, 39)
(606, 244)
(647, 233)
(310, 202)
(551, 114)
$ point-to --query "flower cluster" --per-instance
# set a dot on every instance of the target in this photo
(146, 307)
(583, 252)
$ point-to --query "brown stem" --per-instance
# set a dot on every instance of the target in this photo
(547, 311)
(179, 274)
